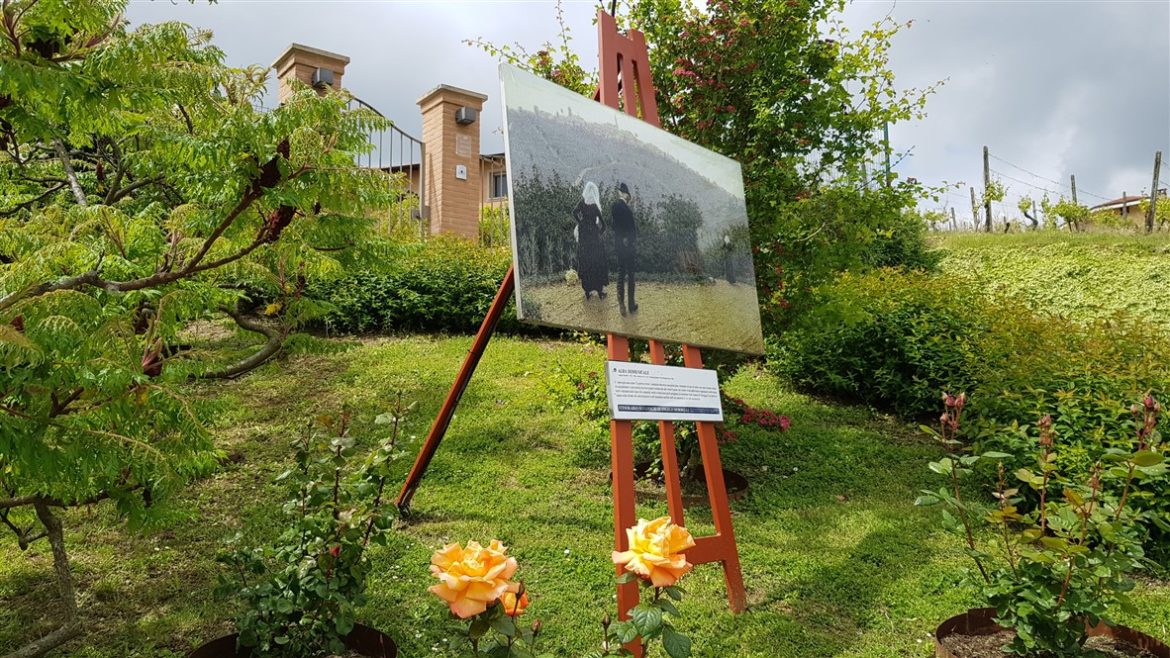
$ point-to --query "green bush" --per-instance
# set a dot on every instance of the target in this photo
(898, 340)
(445, 284)
(888, 339)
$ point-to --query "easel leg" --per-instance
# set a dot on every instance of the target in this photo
(624, 513)
(670, 472)
(720, 507)
(443, 420)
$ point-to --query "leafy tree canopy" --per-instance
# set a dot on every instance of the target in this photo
(142, 188)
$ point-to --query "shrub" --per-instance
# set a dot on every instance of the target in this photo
(445, 284)
(888, 339)
(494, 226)
(895, 340)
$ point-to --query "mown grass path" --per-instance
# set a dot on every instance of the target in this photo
(836, 559)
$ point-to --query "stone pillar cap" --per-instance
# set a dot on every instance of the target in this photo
(448, 89)
(294, 48)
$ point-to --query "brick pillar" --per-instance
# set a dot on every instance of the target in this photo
(452, 160)
(300, 62)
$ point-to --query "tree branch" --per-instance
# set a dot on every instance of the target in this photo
(78, 193)
(31, 202)
(275, 335)
(116, 195)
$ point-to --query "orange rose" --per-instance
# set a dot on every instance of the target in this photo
(472, 578)
(514, 604)
(655, 552)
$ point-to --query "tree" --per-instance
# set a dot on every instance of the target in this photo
(141, 189)
(1161, 211)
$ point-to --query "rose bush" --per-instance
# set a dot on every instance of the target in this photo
(655, 558)
(656, 551)
(476, 584)
(474, 577)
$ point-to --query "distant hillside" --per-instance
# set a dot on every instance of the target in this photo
(1081, 276)
(579, 150)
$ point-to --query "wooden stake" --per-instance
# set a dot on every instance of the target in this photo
(986, 187)
(974, 212)
(1153, 194)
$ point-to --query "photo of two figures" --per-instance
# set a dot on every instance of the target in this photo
(590, 232)
(620, 227)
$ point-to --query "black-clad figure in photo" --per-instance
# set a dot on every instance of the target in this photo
(625, 235)
(592, 268)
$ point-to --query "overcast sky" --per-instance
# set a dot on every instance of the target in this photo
(1051, 87)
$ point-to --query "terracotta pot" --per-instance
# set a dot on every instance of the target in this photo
(363, 640)
(981, 621)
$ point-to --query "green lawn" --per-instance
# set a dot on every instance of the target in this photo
(836, 559)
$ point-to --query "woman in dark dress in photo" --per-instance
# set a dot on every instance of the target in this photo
(592, 267)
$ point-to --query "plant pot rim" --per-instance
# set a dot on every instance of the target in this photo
(978, 621)
(362, 639)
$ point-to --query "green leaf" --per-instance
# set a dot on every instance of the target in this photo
(676, 644)
(504, 625)
(1147, 458)
(647, 619)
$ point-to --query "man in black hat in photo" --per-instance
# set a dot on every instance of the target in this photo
(625, 234)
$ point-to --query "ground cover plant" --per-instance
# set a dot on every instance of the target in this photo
(837, 560)
(1084, 276)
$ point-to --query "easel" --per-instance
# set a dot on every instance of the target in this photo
(624, 83)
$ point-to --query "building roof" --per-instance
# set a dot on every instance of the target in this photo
(1121, 202)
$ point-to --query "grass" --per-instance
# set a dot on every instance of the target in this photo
(836, 559)
(1085, 276)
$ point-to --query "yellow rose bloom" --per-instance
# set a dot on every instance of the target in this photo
(472, 578)
(656, 551)
(514, 606)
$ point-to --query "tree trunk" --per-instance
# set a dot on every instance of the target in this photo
(72, 624)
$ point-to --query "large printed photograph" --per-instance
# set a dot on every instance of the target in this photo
(620, 227)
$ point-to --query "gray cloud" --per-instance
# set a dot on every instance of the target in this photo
(1053, 87)
(1057, 88)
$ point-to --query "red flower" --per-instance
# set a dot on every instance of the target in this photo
(335, 550)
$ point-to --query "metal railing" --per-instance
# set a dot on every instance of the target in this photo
(398, 153)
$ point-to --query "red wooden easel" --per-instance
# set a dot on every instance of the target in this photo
(625, 84)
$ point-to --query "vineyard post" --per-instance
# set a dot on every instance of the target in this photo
(954, 222)
(986, 189)
(1153, 194)
(1072, 225)
(1124, 207)
(974, 212)
(1034, 214)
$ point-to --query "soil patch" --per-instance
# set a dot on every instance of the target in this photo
(989, 645)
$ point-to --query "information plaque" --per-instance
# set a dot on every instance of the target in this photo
(640, 391)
